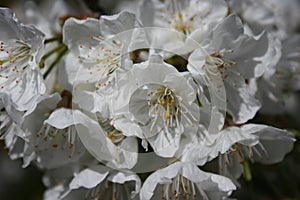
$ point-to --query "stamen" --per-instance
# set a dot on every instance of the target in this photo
(114, 192)
(184, 187)
(263, 149)
(105, 56)
(257, 152)
(14, 58)
(112, 133)
(204, 196)
(194, 190)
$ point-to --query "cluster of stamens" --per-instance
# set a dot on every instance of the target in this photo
(108, 190)
(164, 104)
(51, 137)
(214, 65)
(112, 133)
(181, 188)
(178, 18)
(243, 154)
(217, 59)
(102, 59)
(14, 57)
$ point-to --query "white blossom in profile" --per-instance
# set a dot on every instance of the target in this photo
(237, 146)
(180, 25)
(185, 181)
(101, 182)
(224, 64)
(51, 137)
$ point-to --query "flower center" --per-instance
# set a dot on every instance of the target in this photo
(63, 139)
(112, 133)
(184, 25)
(160, 110)
(214, 66)
(217, 59)
(181, 15)
(14, 57)
(110, 190)
(102, 59)
(182, 188)
(243, 154)
(164, 103)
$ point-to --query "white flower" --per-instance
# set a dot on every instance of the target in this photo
(287, 75)
(100, 45)
(184, 23)
(271, 146)
(225, 64)
(156, 101)
(10, 130)
(167, 89)
(282, 78)
(57, 180)
(100, 182)
(51, 138)
(20, 51)
(238, 145)
(276, 16)
(11, 133)
(185, 180)
(99, 137)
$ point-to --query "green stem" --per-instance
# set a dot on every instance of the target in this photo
(247, 171)
(49, 53)
(57, 59)
(58, 38)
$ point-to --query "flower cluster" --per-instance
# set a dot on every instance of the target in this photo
(133, 105)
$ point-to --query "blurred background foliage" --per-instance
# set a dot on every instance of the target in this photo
(279, 181)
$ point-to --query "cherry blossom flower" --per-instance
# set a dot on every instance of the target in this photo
(20, 51)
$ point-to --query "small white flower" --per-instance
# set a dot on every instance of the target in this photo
(185, 180)
(251, 142)
(20, 51)
(281, 78)
(100, 182)
(51, 138)
(225, 64)
(184, 23)
(100, 45)
(100, 138)
(157, 102)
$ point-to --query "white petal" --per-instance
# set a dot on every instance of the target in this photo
(277, 142)
(34, 118)
(79, 32)
(128, 127)
(241, 104)
(123, 177)
(89, 178)
(213, 185)
(114, 24)
(61, 118)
